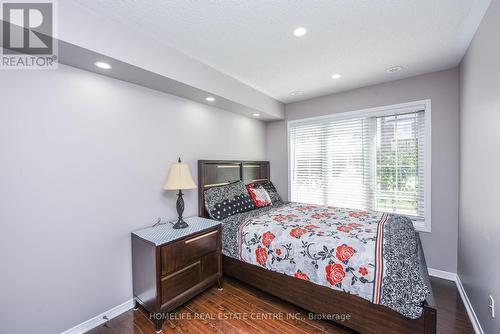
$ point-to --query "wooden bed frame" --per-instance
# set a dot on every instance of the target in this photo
(342, 308)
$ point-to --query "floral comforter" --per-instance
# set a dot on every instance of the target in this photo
(373, 255)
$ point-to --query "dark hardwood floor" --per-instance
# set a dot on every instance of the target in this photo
(240, 308)
(451, 314)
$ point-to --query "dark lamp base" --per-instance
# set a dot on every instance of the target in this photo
(180, 209)
(180, 224)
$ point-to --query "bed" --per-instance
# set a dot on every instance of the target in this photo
(364, 270)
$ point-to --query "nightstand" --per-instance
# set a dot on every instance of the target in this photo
(171, 266)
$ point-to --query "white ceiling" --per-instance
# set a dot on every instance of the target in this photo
(253, 41)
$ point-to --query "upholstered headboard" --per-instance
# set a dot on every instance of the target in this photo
(216, 173)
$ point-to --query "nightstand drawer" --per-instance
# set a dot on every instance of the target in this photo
(175, 284)
(184, 252)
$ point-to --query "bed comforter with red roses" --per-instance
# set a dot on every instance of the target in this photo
(369, 254)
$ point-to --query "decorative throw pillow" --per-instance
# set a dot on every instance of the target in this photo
(259, 195)
(225, 201)
(273, 193)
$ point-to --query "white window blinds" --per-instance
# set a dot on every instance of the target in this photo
(370, 161)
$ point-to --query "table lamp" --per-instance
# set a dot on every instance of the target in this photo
(179, 178)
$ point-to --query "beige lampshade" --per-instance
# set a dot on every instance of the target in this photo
(179, 177)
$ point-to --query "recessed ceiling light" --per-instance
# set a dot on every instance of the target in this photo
(336, 76)
(394, 69)
(256, 115)
(297, 92)
(103, 65)
(300, 31)
(210, 99)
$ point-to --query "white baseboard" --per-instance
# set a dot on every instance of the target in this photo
(468, 307)
(442, 274)
(98, 320)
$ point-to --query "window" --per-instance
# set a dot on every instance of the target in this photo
(377, 159)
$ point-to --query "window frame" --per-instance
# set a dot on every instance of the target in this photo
(421, 226)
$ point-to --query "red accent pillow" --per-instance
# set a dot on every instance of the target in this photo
(259, 195)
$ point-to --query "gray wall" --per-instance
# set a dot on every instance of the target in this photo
(479, 221)
(82, 162)
(442, 88)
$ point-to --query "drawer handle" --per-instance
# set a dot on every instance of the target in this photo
(200, 237)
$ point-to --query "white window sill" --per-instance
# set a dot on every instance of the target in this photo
(421, 226)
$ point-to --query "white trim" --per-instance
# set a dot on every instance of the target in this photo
(428, 168)
(377, 111)
(468, 307)
(425, 226)
(98, 320)
(442, 274)
(289, 185)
